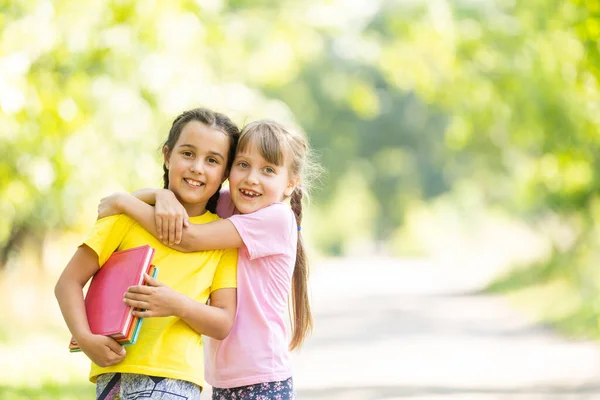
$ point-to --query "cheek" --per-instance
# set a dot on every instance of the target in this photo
(234, 176)
(218, 171)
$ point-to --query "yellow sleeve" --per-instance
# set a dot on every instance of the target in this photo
(107, 235)
(226, 272)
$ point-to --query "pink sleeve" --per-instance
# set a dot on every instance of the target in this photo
(268, 231)
(225, 207)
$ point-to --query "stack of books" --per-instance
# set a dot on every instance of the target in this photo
(107, 314)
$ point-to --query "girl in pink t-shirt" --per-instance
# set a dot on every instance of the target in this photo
(267, 177)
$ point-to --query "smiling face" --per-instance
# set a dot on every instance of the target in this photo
(197, 165)
(256, 183)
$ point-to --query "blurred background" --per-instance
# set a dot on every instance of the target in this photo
(460, 140)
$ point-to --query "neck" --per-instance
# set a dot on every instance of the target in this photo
(194, 210)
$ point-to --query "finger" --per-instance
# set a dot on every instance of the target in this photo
(116, 347)
(150, 281)
(139, 289)
(165, 230)
(171, 231)
(158, 222)
(136, 303)
(186, 219)
(178, 229)
(137, 297)
(142, 314)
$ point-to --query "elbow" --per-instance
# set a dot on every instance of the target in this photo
(185, 245)
(58, 289)
(224, 330)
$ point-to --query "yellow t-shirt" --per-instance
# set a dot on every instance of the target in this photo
(166, 347)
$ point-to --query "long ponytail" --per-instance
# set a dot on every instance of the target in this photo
(302, 322)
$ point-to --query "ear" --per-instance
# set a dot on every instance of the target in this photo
(291, 186)
(166, 156)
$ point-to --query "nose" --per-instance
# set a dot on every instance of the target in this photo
(197, 167)
(252, 177)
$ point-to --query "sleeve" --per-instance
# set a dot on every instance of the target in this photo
(225, 206)
(107, 234)
(267, 231)
(226, 272)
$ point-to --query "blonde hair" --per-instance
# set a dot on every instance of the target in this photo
(278, 144)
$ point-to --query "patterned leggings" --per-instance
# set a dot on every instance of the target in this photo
(280, 390)
(118, 386)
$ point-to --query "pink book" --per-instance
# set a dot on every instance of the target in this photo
(106, 313)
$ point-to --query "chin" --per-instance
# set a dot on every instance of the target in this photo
(248, 210)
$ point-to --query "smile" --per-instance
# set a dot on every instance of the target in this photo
(193, 182)
(249, 193)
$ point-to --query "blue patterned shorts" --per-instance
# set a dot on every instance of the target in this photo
(118, 386)
(280, 390)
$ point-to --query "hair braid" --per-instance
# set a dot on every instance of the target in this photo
(296, 203)
(302, 318)
(165, 177)
(211, 205)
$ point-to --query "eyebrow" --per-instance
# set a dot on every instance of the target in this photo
(191, 146)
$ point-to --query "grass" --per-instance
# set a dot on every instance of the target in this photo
(85, 390)
(552, 292)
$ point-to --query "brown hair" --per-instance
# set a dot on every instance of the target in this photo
(213, 120)
(277, 144)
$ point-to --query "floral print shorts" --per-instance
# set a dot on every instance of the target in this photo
(280, 390)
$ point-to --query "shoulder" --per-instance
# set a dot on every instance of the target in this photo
(276, 211)
(276, 217)
(114, 222)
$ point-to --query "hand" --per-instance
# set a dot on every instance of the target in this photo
(104, 351)
(110, 205)
(170, 217)
(153, 300)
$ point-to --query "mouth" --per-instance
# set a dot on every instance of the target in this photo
(193, 182)
(250, 193)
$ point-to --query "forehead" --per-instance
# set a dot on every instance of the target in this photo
(268, 152)
(197, 134)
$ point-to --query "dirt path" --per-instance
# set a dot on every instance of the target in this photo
(390, 329)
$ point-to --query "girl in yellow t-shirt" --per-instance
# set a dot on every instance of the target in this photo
(168, 356)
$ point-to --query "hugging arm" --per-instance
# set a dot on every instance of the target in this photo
(220, 234)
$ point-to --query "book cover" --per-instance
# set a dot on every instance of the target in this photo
(134, 329)
(106, 313)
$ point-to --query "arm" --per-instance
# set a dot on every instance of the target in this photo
(102, 350)
(220, 234)
(166, 220)
(147, 195)
(214, 320)
(158, 300)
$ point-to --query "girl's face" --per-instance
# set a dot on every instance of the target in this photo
(197, 165)
(255, 183)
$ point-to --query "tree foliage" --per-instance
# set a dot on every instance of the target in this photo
(401, 99)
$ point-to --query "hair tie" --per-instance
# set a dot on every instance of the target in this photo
(299, 227)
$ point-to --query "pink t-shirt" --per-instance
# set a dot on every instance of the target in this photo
(256, 349)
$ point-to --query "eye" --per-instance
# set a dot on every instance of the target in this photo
(213, 160)
(269, 170)
(243, 164)
(187, 154)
